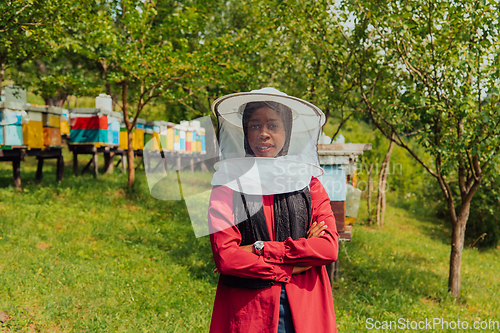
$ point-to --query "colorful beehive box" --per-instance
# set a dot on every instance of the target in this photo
(170, 136)
(13, 116)
(89, 126)
(12, 125)
(33, 135)
(115, 120)
(123, 137)
(65, 122)
(152, 130)
(52, 128)
(138, 135)
(148, 131)
(197, 139)
(189, 139)
(163, 134)
(177, 138)
(203, 149)
(183, 135)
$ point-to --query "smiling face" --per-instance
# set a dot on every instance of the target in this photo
(266, 132)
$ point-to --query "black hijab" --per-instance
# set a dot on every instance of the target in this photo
(292, 210)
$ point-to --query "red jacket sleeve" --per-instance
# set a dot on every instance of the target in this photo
(225, 239)
(309, 252)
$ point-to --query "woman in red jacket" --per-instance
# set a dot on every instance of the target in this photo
(272, 228)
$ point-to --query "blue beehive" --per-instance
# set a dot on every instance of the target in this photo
(12, 129)
(114, 124)
(334, 182)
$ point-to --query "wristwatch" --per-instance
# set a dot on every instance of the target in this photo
(259, 247)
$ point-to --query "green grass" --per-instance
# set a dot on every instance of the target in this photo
(87, 255)
(401, 271)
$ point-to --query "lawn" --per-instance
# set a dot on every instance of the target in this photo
(87, 255)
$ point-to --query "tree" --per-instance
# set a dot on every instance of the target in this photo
(29, 29)
(430, 71)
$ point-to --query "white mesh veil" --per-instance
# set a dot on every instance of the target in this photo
(267, 175)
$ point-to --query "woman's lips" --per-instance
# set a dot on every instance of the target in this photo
(264, 147)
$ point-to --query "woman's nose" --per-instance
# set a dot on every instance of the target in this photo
(264, 133)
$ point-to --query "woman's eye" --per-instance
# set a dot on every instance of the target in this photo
(254, 126)
(274, 126)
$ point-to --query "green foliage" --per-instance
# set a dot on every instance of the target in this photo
(31, 29)
(429, 71)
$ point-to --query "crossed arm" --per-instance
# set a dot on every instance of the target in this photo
(315, 230)
(280, 259)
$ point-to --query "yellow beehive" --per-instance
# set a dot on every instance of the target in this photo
(170, 138)
(52, 120)
(156, 141)
(64, 122)
(123, 137)
(33, 128)
(138, 135)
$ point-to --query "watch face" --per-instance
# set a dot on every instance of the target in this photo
(259, 245)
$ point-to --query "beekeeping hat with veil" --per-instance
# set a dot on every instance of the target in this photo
(291, 169)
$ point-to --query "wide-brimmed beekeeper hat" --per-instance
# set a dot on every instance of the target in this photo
(306, 116)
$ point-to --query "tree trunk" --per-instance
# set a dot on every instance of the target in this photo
(130, 160)
(457, 246)
(382, 181)
(130, 127)
(370, 189)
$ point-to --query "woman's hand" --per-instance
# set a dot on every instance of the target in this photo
(316, 229)
(249, 248)
(300, 269)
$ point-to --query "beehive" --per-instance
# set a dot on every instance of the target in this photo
(123, 137)
(12, 128)
(148, 133)
(170, 136)
(138, 135)
(33, 135)
(12, 116)
(189, 140)
(163, 134)
(203, 149)
(183, 128)
(114, 128)
(89, 126)
(152, 131)
(52, 127)
(180, 139)
(65, 122)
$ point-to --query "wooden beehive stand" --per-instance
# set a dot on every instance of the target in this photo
(343, 155)
(37, 134)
